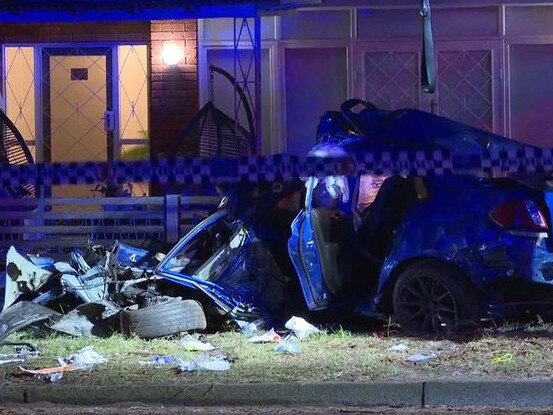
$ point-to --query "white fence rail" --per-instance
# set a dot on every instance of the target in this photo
(64, 223)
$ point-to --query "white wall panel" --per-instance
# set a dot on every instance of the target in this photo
(319, 24)
(385, 23)
(466, 22)
(528, 20)
(531, 93)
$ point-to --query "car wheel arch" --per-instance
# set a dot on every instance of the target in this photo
(389, 280)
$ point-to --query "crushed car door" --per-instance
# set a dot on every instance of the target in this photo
(201, 256)
(315, 245)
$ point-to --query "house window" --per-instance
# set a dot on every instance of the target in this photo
(133, 101)
(133, 106)
(19, 91)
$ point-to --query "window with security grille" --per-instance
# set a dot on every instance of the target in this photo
(465, 87)
(20, 91)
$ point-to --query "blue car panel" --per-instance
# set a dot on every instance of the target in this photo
(226, 295)
(305, 257)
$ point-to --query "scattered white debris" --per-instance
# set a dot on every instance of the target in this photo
(55, 377)
(300, 327)
(287, 347)
(249, 329)
(398, 348)
(269, 337)
(218, 363)
(86, 358)
(161, 360)
(23, 354)
(7, 361)
(421, 357)
(191, 344)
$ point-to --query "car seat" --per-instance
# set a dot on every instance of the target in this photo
(380, 220)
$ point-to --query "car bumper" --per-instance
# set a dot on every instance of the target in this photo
(518, 275)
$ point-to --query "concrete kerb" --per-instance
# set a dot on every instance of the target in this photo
(368, 394)
(489, 393)
(416, 394)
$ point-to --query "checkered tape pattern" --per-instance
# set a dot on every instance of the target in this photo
(198, 170)
(524, 160)
(194, 170)
(280, 167)
(415, 163)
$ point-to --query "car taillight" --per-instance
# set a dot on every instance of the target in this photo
(521, 215)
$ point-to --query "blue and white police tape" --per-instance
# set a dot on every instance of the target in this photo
(281, 167)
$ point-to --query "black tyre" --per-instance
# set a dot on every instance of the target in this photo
(162, 319)
(435, 298)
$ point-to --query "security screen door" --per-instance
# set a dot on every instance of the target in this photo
(78, 119)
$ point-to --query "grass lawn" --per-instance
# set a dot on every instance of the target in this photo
(521, 352)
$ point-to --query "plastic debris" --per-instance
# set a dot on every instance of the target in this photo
(80, 263)
(249, 329)
(421, 357)
(269, 337)
(300, 327)
(27, 351)
(75, 324)
(161, 360)
(218, 363)
(7, 361)
(398, 348)
(287, 347)
(24, 276)
(86, 358)
(55, 377)
(191, 344)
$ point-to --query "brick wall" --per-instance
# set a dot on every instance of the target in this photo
(174, 89)
(75, 32)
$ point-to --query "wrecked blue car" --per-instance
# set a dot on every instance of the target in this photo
(439, 252)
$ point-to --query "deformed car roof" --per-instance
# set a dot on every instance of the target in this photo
(377, 130)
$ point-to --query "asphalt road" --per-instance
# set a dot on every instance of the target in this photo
(140, 409)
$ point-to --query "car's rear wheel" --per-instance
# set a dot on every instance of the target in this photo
(435, 298)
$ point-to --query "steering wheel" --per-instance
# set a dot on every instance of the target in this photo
(349, 115)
